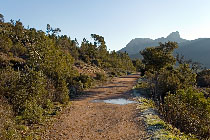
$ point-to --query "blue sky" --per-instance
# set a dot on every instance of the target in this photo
(118, 21)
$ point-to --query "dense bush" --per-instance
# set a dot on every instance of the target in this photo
(173, 79)
(137, 63)
(100, 76)
(24, 91)
(96, 53)
(174, 89)
(188, 110)
(84, 81)
(156, 58)
(164, 76)
(203, 78)
(7, 124)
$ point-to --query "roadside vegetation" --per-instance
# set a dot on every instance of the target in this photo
(41, 71)
(179, 89)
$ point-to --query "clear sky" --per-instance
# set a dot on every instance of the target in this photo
(118, 21)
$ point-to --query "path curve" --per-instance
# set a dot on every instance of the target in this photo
(87, 120)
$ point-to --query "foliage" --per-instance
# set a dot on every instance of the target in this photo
(7, 123)
(174, 90)
(188, 110)
(32, 113)
(84, 81)
(173, 79)
(68, 46)
(100, 76)
(156, 58)
(162, 72)
(195, 66)
(37, 69)
(137, 63)
(156, 127)
(1, 18)
(52, 30)
(203, 78)
(96, 54)
(24, 91)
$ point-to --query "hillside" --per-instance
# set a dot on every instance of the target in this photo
(197, 50)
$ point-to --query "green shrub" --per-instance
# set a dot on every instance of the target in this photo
(5, 44)
(189, 111)
(137, 63)
(62, 92)
(7, 124)
(117, 72)
(203, 78)
(24, 91)
(32, 113)
(10, 133)
(100, 76)
(85, 80)
(173, 79)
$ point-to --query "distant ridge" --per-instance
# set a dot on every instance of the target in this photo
(198, 50)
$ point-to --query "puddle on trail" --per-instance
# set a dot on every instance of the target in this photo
(119, 101)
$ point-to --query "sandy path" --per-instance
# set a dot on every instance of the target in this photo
(86, 120)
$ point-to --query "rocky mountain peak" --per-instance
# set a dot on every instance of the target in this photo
(174, 36)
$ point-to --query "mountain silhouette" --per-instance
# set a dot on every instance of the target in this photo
(198, 50)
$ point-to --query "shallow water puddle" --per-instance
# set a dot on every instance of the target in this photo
(119, 101)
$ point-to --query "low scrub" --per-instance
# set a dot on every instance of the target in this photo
(189, 111)
(100, 76)
(7, 124)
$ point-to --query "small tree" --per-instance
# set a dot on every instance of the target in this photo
(1, 18)
(173, 79)
(156, 58)
(52, 30)
(137, 63)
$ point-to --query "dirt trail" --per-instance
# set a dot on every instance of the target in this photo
(87, 120)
